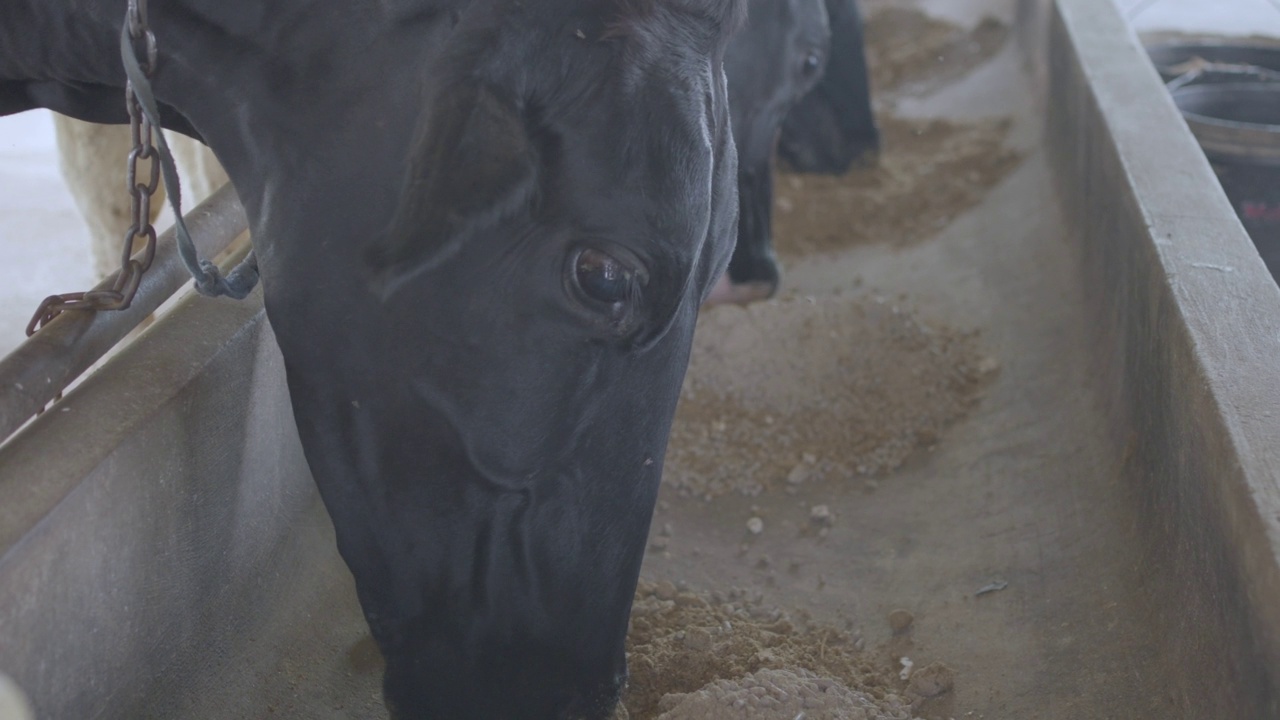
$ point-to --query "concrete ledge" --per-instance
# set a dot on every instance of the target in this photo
(156, 514)
(1189, 352)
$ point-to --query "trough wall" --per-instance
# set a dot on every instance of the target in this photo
(1187, 349)
(159, 510)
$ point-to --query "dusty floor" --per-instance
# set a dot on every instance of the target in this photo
(787, 391)
(1018, 499)
(927, 442)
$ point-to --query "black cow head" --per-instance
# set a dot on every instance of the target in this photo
(491, 454)
(485, 228)
(771, 64)
(833, 126)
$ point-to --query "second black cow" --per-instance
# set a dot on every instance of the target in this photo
(798, 81)
(833, 127)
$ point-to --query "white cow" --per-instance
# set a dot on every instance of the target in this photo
(93, 159)
(14, 704)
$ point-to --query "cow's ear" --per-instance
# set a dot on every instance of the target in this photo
(472, 165)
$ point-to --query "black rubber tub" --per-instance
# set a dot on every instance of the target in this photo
(1171, 59)
(1238, 126)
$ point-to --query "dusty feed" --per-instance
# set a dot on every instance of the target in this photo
(929, 172)
(777, 695)
(792, 390)
(722, 644)
(912, 52)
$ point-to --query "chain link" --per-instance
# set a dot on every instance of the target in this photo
(144, 153)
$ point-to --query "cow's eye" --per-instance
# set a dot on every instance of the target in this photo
(812, 62)
(602, 277)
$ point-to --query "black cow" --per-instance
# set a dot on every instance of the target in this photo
(770, 64)
(798, 81)
(485, 228)
(833, 126)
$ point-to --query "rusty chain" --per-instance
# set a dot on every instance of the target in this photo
(122, 291)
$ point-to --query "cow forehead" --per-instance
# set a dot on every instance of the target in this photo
(675, 160)
(649, 106)
(664, 147)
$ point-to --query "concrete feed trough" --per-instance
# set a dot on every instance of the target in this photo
(1014, 419)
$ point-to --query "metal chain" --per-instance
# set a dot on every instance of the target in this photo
(122, 291)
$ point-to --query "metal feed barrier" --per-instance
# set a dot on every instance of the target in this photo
(48, 362)
(39, 370)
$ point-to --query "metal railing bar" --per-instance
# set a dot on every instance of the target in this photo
(49, 361)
